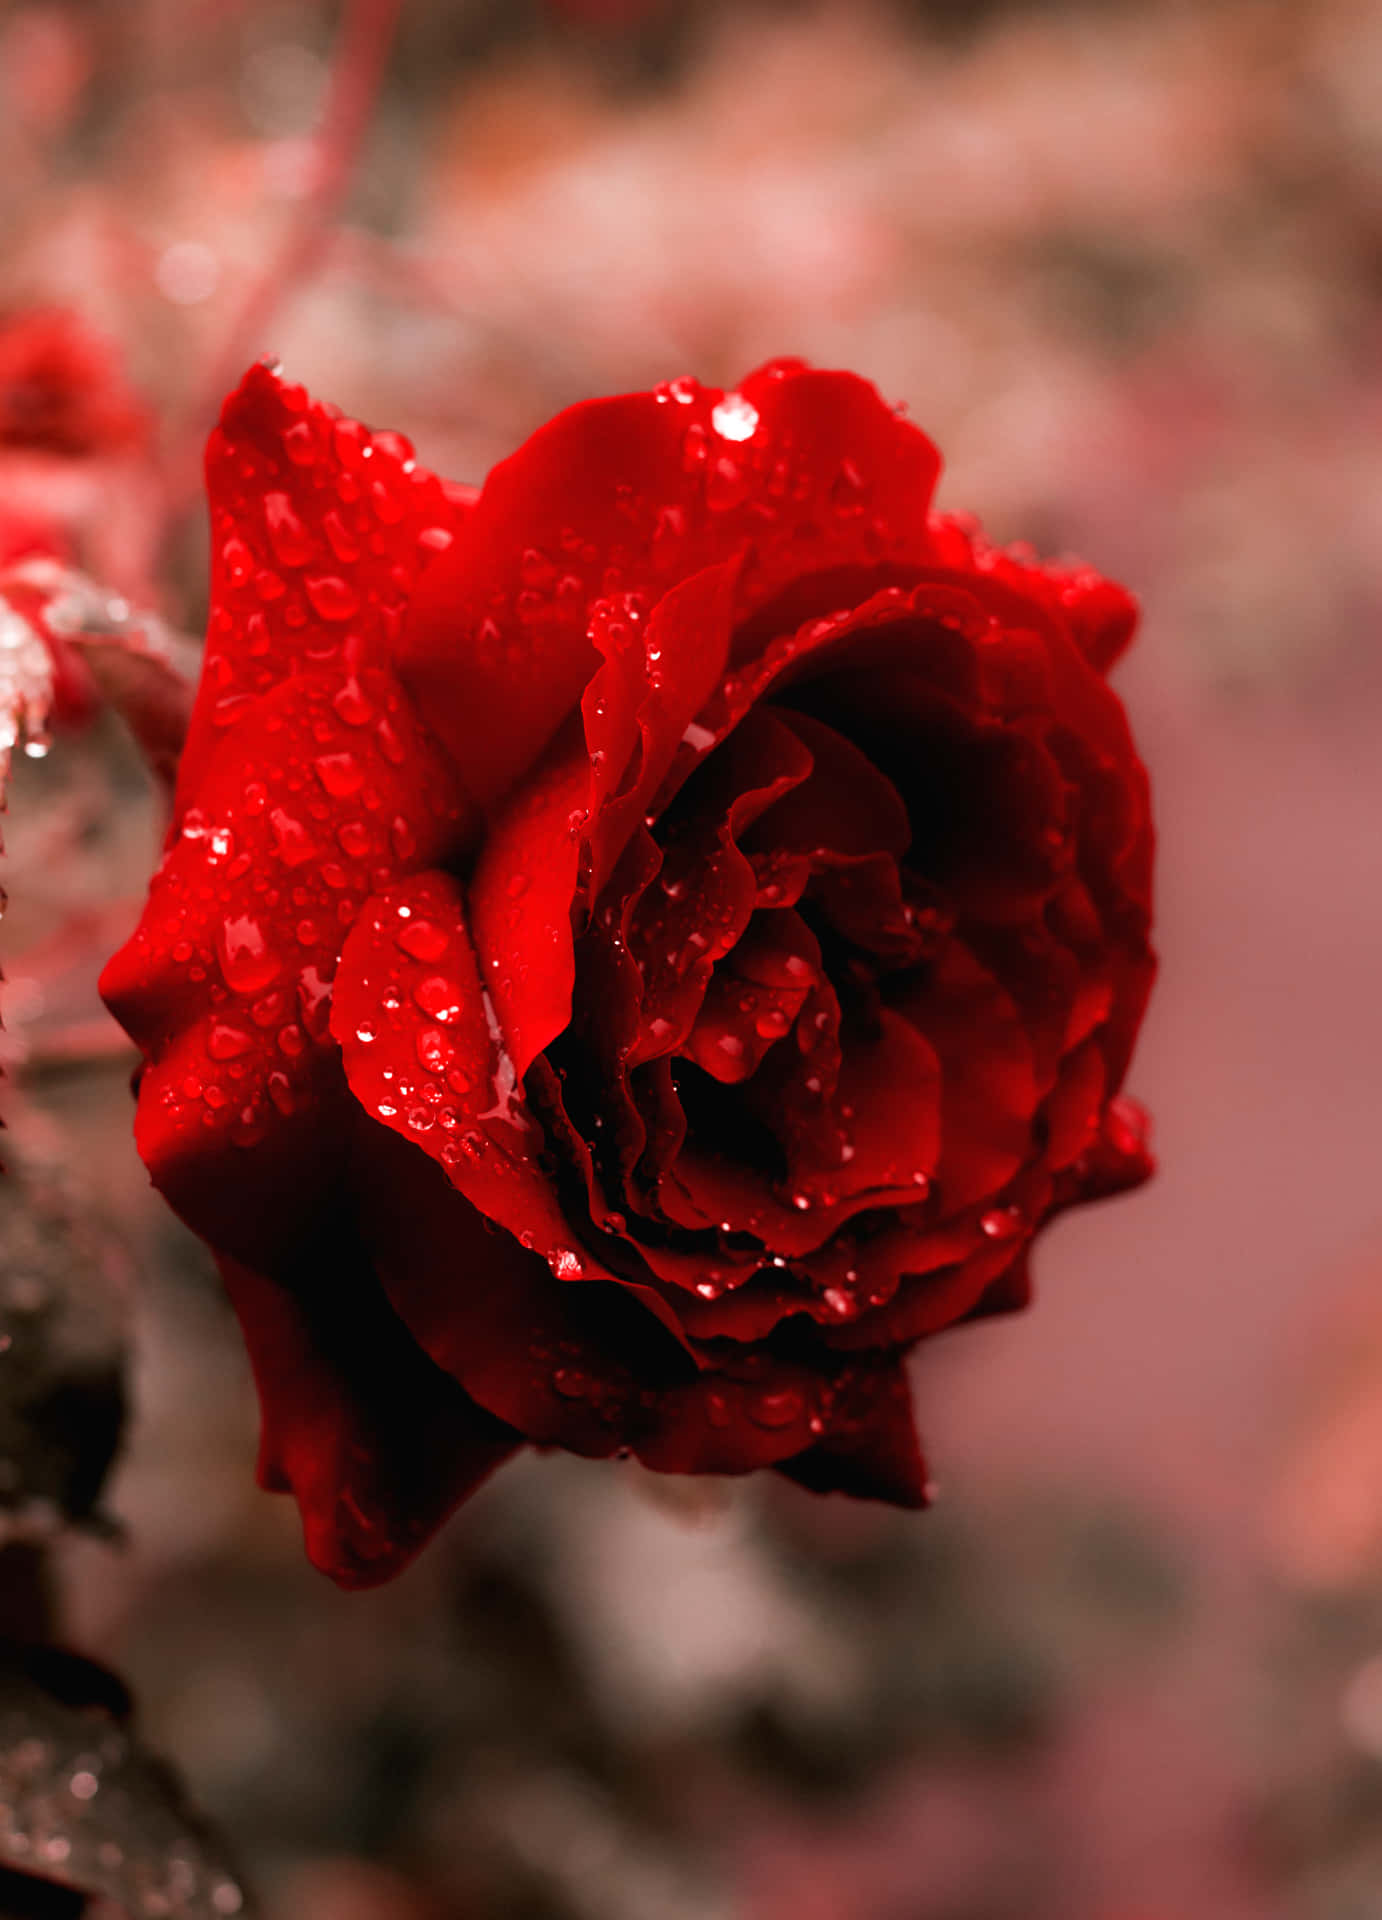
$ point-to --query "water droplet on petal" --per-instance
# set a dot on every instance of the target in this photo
(339, 773)
(735, 418)
(439, 998)
(775, 1407)
(332, 598)
(295, 844)
(227, 1043)
(434, 1050)
(1001, 1223)
(352, 704)
(422, 939)
(290, 540)
(248, 962)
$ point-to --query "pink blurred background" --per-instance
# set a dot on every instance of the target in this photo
(1124, 263)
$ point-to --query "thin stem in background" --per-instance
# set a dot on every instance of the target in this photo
(362, 56)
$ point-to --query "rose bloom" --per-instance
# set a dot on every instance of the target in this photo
(638, 946)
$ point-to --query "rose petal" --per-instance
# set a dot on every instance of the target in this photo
(377, 1445)
(425, 1054)
(988, 1082)
(871, 1451)
(225, 984)
(641, 703)
(810, 470)
(319, 533)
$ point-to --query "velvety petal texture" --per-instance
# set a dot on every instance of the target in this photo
(638, 947)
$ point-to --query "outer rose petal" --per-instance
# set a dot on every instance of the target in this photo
(319, 531)
(633, 495)
(871, 1451)
(306, 807)
(377, 1444)
(1101, 616)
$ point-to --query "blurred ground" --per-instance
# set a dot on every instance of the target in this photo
(1125, 264)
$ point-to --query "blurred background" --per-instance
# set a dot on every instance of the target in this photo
(1123, 261)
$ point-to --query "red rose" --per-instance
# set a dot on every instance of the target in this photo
(638, 948)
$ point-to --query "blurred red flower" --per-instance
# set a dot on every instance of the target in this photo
(638, 947)
(66, 414)
(62, 389)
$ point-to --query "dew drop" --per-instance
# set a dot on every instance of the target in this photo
(438, 997)
(735, 418)
(422, 939)
(295, 844)
(1001, 1223)
(227, 1043)
(332, 598)
(775, 1407)
(434, 1050)
(248, 962)
(289, 538)
(339, 773)
(300, 445)
(352, 704)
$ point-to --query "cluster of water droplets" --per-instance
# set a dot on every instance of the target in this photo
(317, 548)
(278, 880)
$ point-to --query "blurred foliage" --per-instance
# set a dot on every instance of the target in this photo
(1124, 262)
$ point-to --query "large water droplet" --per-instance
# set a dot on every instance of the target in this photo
(423, 939)
(735, 418)
(775, 1406)
(352, 704)
(227, 1043)
(295, 844)
(434, 1050)
(290, 540)
(355, 839)
(438, 997)
(340, 774)
(332, 598)
(248, 962)
(1001, 1223)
